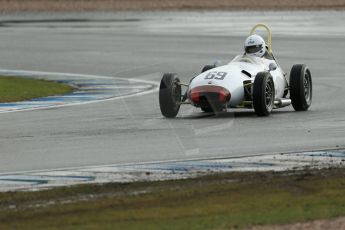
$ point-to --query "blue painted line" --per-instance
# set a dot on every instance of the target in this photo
(100, 84)
(47, 99)
(200, 166)
(324, 154)
(79, 178)
(8, 104)
(255, 164)
(45, 179)
(160, 168)
(62, 99)
(36, 182)
(81, 93)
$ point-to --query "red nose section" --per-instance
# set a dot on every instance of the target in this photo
(209, 94)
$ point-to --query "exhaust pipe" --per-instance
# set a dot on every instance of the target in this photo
(282, 102)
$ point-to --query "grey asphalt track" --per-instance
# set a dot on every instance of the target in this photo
(143, 46)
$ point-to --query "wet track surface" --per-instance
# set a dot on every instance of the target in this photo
(143, 46)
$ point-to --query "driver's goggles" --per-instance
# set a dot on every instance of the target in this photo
(253, 49)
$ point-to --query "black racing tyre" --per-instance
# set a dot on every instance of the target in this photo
(301, 87)
(263, 94)
(208, 67)
(169, 95)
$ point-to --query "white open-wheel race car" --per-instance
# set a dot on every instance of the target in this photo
(248, 81)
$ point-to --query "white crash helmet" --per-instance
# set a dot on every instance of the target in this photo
(255, 45)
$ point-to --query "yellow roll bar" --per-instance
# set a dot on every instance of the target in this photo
(269, 35)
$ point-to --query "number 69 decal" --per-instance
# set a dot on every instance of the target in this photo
(216, 75)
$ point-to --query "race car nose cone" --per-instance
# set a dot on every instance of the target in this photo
(209, 94)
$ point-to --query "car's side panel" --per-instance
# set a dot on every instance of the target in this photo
(279, 80)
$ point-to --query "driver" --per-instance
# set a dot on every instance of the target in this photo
(255, 45)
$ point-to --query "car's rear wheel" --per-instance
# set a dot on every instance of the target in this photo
(263, 94)
(301, 89)
(170, 95)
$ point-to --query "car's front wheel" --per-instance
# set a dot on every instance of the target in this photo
(170, 95)
(301, 88)
(263, 94)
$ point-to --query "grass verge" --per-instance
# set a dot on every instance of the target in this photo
(14, 89)
(222, 201)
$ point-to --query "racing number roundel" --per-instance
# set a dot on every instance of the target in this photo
(216, 75)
